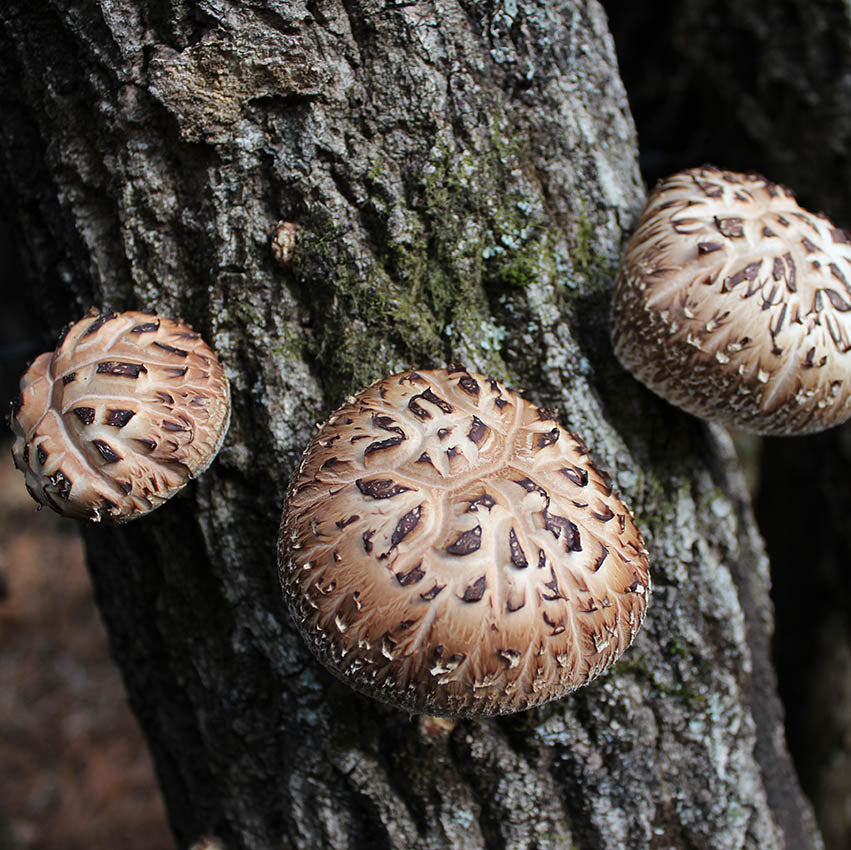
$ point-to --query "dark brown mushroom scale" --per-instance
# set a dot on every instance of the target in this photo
(734, 303)
(120, 416)
(449, 548)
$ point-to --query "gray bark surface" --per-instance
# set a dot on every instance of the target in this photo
(463, 175)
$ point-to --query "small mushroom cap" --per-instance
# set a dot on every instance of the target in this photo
(734, 303)
(449, 548)
(283, 242)
(120, 416)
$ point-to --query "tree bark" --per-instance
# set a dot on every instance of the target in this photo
(462, 175)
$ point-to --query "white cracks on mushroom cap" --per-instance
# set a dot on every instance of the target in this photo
(734, 303)
(127, 409)
(465, 555)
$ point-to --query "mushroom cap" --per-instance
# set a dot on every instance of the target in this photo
(449, 548)
(734, 303)
(283, 242)
(120, 416)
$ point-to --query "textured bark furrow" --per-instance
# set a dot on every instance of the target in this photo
(521, 804)
(461, 175)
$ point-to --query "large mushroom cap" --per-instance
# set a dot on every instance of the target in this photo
(448, 547)
(128, 408)
(734, 303)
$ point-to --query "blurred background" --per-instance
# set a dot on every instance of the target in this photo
(74, 771)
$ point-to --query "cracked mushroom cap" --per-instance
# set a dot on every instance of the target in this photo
(734, 303)
(120, 416)
(449, 548)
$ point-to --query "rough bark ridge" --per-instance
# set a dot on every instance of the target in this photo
(463, 174)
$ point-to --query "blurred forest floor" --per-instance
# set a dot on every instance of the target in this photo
(74, 770)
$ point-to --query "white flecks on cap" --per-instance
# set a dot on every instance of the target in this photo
(120, 416)
(734, 303)
(448, 547)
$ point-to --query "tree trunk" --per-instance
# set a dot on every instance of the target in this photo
(462, 175)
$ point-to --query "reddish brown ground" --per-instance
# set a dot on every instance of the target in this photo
(74, 771)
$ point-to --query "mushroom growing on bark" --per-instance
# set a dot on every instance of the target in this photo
(283, 242)
(449, 548)
(734, 303)
(120, 416)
